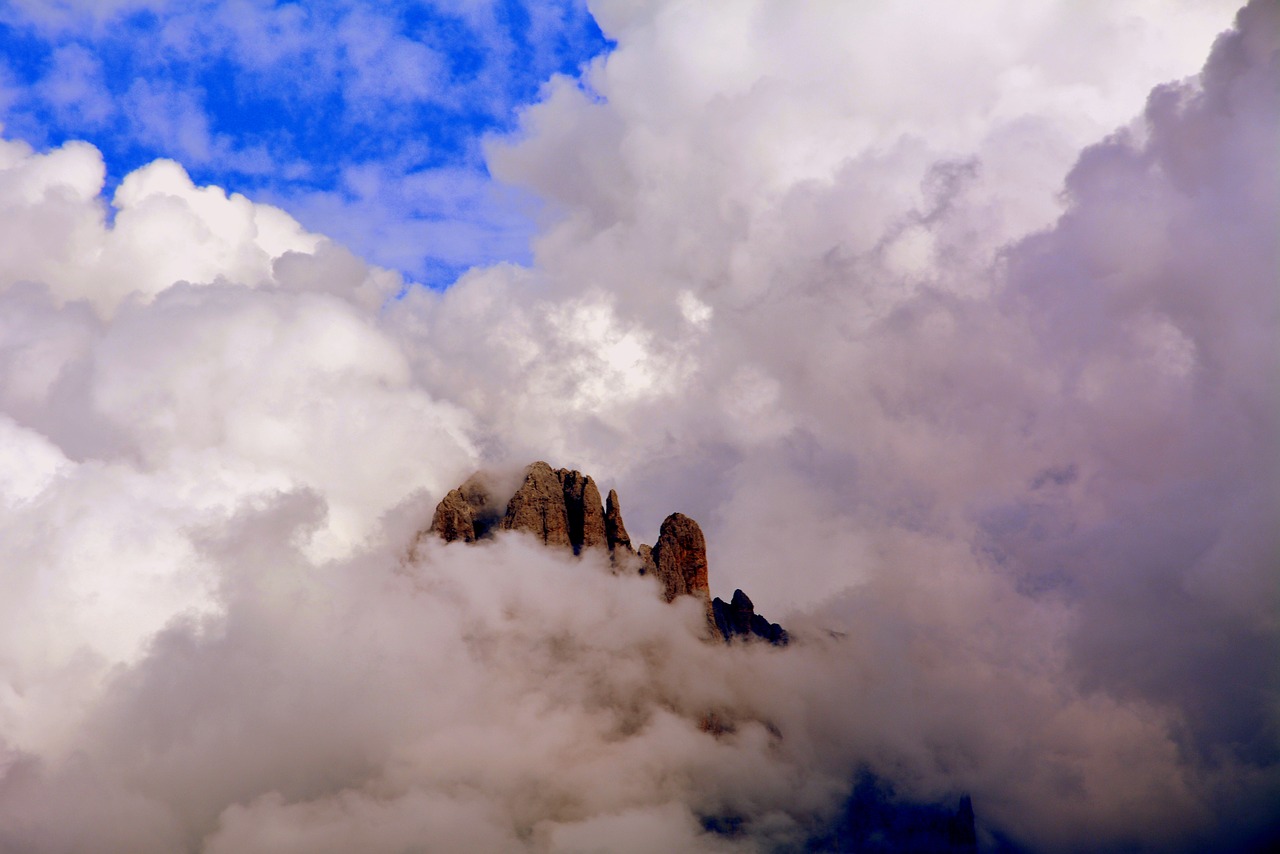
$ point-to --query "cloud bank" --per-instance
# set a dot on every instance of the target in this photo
(965, 362)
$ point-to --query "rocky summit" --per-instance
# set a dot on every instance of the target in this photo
(680, 558)
(562, 508)
(468, 512)
(738, 619)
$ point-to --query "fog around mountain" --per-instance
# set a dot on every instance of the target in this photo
(965, 364)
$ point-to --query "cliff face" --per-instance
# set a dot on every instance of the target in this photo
(615, 532)
(562, 508)
(539, 507)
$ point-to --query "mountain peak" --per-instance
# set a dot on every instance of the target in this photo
(562, 508)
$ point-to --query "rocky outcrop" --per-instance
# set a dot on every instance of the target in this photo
(559, 506)
(539, 507)
(562, 508)
(615, 533)
(453, 519)
(738, 620)
(466, 513)
(586, 515)
(680, 558)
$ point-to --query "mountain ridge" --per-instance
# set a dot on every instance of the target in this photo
(563, 508)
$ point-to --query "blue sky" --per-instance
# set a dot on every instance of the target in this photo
(363, 120)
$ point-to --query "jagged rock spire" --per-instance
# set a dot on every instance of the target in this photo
(559, 506)
(453, 518)
(615, 533)
(738, 619)
(562, 507)
(539, 507)
(582, 505)
(466, 513)
(680, 558)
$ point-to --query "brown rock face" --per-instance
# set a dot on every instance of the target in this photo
(453, 519)
(539, 507)
(680, 558)
(562, 507)
(615, 533)
(559, 506)
(466, 513)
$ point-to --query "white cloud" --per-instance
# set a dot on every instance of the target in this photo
(189, 360)
(74, 14)
(1000, 457)
(165, 229)
(75, 87)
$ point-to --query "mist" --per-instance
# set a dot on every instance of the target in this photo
(962, 351)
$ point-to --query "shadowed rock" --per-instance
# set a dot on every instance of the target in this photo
(453, 519)
(615, 533)
(486, 512)
(583, 510)
(738, 619)
(466, 513)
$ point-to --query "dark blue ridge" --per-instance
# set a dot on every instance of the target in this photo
(874, 820)
(738, 619)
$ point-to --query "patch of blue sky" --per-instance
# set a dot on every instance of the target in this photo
(362, 119)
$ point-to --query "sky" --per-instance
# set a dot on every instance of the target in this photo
(954, 325)
(364, 120)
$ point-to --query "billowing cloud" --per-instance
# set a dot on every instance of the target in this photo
(962, 358)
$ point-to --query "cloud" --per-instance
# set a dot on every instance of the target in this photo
(285, 101)
(76, 86)
(954, 354)
(74, 14)
(164, 229)
(448, 215)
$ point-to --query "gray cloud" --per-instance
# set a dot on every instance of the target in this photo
(1002, 459)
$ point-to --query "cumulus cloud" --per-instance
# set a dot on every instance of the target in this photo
(961, 359)
(290, 101)
(160, 371)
